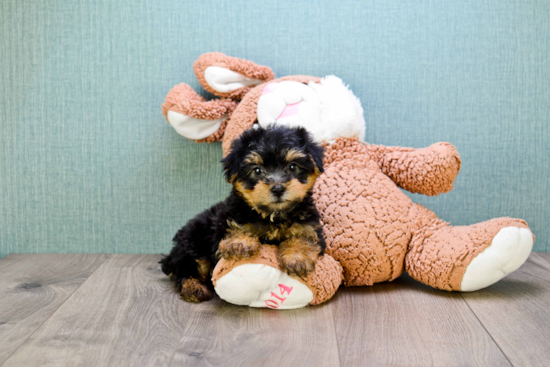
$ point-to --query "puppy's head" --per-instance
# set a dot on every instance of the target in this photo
(273, 168)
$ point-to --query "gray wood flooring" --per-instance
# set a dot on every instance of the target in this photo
(119, 310)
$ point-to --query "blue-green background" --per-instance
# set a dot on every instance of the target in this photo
(88, 163)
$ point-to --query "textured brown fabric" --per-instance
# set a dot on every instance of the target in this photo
(243, 67)
(183, 99)
(366, 219)
(267, 255)
(246, 115)
(323, 282)
(429, 171)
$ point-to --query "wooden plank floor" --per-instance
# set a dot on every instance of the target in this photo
(119, 310)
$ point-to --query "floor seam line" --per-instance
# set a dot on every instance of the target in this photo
(533, 275)
(542, 255)
(335, 336)
(539, 265)
(487, 331)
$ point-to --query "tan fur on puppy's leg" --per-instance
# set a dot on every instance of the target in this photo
(298, 256)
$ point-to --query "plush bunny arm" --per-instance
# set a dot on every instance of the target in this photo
(430, 171)
(194, 117)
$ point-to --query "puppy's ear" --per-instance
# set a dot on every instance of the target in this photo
(231, 165)
(314, 150)
(232, 162)
(316, 153)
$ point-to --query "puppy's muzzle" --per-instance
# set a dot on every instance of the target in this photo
(278, 190)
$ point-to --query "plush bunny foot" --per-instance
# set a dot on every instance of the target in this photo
(509, 249)
(260, 282)
(466, 258)
(258, 285)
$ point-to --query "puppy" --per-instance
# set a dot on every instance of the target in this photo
(272, 171)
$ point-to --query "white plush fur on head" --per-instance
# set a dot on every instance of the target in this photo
(341, 111)
(283, 95)
(328, 110)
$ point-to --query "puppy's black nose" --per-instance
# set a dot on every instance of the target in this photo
(278, 190)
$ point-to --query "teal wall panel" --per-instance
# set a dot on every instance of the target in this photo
(88, 163)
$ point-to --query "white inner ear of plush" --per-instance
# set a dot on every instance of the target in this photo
(193, 128)
(225, 80)
(328, 110)
(258, 285)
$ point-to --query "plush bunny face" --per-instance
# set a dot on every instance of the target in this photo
(325, 107)
(328, 110)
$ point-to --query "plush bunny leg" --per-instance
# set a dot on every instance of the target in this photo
(260, 282)
(466, 258)
(194, 117)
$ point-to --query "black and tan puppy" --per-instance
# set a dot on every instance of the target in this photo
(272, 171)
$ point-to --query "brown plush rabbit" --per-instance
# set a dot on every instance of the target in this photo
(373, 231)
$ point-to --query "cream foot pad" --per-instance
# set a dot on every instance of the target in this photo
(509, 249)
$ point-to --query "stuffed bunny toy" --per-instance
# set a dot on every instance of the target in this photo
(373, 231)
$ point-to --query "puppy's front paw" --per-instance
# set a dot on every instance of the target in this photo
(298, 256)
(238, 248)
(192, 290)
(297, 263)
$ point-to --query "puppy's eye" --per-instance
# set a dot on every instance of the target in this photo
(257, 171)
(292, 167)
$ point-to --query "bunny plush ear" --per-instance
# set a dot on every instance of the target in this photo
(229, 77)
(194, 117)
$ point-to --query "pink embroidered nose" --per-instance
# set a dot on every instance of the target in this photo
(290, 110)
(270, 88)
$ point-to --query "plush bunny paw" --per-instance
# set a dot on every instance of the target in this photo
(509, 249)
(259, 285)
(260, 281)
